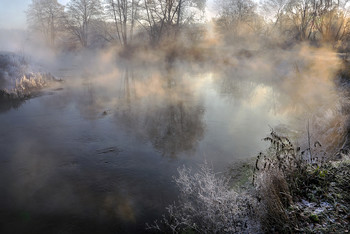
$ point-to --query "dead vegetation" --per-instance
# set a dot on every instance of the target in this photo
(298, 191)
(19, 80)
(208, 204)
(294, 191)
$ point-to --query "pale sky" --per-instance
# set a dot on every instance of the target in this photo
(12, 13)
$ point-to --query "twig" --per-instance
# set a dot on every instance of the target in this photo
(308, 139)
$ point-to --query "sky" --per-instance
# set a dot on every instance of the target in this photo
(13, 16)
(12, 13)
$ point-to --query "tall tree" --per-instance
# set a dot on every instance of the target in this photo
(274, 9)
(235, 15)
(80, 15)
(46, 17)
(124, 14)
(162, 17)
(315, 20)
(331, 20)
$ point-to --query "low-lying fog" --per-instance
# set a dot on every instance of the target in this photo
(95, 150)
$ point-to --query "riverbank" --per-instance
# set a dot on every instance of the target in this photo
(320, 204)
(302, 195)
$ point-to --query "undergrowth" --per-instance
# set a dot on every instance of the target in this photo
(208, 204)
(299, 191)
(294, 191)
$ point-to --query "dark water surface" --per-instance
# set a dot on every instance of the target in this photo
(98, 152)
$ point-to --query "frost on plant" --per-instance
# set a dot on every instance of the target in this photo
(208, 205)
(19, 79)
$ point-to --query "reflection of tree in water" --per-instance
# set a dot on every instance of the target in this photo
(298, 91)
(285, 91)
(171, 119)
(128, 86)
(92, 100)
(129, 113)
(175, 128)
(87, 103)
(7, 103)
(238, 87)
(233, 84)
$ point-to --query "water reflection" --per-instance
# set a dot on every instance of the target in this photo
(298, 88)
(170, 117)
(90, 156)
(7, 104)
(89, 104)
(300, 80)
(127, 87)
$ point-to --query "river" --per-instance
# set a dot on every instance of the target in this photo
(97, 153)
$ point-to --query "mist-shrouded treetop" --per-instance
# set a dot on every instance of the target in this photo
(235, 9)
(164, 17)
(159, 19)
(157, 22)
(237, 18)
(80, 16)
(46, 17)
(124, 14)
(313, 20)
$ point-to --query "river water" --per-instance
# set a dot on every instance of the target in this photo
(97, 153)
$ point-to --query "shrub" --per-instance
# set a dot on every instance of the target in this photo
(284, 176)
(208, 205)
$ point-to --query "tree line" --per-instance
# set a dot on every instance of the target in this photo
(122, 22)
(287, 21)
(111, 20)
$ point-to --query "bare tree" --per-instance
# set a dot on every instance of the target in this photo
(164, 17)
(236, 15)
(315, 20)
(332, 23)
(46, 17)
(80, 15)
(274, 9)
(301, 14)
(124, 14)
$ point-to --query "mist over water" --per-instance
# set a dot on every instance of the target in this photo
(101, 102)
(98, 152)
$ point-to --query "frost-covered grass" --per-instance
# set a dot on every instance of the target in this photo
(18, 78)
(290, 194)
(208, 204)
(300, 191)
